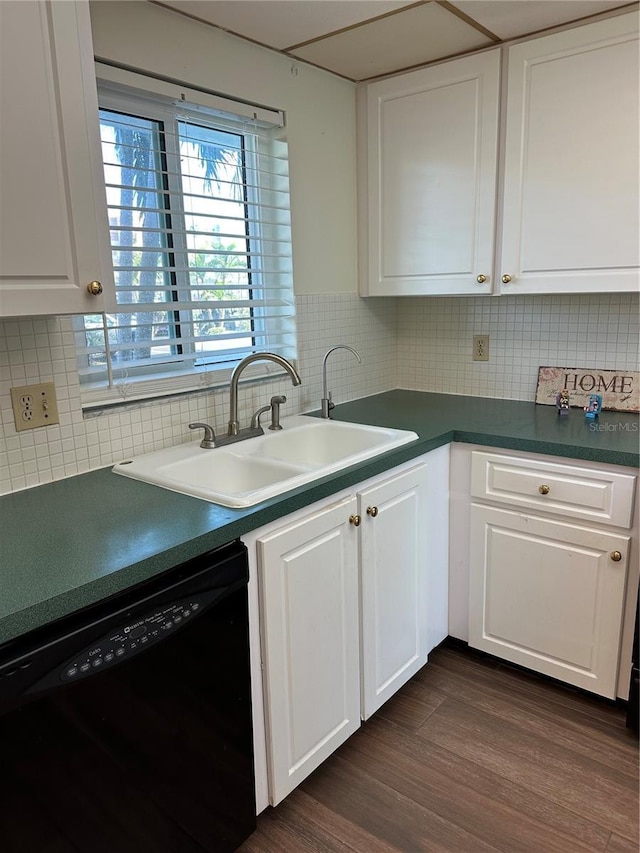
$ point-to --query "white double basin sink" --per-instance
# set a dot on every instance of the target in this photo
(248, 472)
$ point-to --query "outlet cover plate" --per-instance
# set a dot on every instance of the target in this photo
(481, 347)
(34, 406)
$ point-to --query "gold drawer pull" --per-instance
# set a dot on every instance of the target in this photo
(355, 520)
(506, 278)
(616, 556)
(94, 288)
(544, 489)
(372, 511)
(481, 278)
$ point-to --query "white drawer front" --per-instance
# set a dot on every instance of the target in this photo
(587, 493)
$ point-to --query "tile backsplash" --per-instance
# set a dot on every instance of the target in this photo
(415, 343)
(42, 349)
(435, 340)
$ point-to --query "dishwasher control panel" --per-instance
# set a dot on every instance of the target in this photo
(130, 639)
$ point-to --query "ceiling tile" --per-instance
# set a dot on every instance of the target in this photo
(282, 23)
(514, 18)
(415, 36)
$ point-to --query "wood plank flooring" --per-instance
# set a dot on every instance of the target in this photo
(471, 755)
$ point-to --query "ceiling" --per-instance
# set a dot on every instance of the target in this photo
(361, 39)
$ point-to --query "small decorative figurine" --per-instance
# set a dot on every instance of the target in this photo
(562, 402)
(592, 409)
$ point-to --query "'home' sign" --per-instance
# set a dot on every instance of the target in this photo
(620, 389)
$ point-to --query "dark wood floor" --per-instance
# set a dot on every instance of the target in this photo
(470, 756)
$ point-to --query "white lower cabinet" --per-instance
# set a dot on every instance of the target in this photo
(552, 565)
(394, 564)
(548, 595)
(352, 598)
(309, 586)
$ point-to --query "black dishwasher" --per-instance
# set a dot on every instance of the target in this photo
(127, 725)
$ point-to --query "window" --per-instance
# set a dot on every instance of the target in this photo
(200, 237)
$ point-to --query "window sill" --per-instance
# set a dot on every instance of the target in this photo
(98, 401)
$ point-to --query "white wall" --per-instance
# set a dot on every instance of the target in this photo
(320, 113)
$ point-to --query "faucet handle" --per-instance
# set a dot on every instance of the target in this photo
(209, 439)
(255, 420)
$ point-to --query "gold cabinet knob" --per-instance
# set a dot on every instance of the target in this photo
(544, 489)
(616, 556)
(94, 288)
(355, 520)
(372, 511)
(481, 278)
(506, 279)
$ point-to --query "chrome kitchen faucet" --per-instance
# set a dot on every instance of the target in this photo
(234, 433)
(326, 404)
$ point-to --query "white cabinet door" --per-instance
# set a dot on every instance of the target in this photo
(431, 146)
(394, 565)
(309, 581)
(571, 183)
(548, 595)
(351, 604)
(54, 236)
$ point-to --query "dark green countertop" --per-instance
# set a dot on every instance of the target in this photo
(73, 542)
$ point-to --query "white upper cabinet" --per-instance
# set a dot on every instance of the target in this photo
(431, 142)
(567, 181)
(571, 184)
(54, 232)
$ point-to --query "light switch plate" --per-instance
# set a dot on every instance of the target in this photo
(34, 405)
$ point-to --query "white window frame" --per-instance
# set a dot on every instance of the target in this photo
(158, 100)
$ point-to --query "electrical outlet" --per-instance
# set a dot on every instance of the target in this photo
(481, 347)
(34, 406)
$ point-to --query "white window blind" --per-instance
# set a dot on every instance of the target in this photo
(200, 234)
